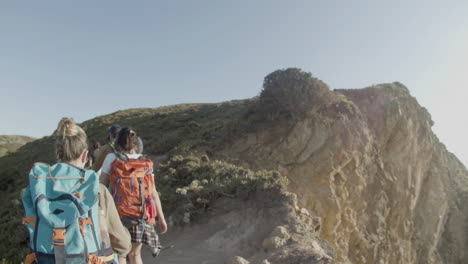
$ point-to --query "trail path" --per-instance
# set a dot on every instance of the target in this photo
(189, 243)
(189, 248)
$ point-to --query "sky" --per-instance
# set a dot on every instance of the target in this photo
(88, 58)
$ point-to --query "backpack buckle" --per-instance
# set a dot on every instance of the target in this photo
(58, 237)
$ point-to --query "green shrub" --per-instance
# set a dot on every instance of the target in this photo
(188, 184)
(291, 93)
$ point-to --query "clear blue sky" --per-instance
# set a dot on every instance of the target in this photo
(89, 58)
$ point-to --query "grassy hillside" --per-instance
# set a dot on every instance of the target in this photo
(171, 129)
(183, 127)
(10, 143)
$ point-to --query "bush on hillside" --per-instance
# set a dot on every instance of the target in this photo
(189, 185)
(291, 92)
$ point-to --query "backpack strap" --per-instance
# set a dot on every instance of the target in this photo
(82, 222)
(122, 156)
(143, 205)
(112, 145)
(30, 220)
(58, 240)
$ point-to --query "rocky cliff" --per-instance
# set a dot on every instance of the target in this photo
(386, 189)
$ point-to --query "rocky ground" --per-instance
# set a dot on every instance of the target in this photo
(268, 229)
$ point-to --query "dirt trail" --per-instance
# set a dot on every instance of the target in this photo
(258, 229)
(189, 247)
(222, 233)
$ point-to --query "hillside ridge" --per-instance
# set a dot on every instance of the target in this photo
(10, 143)
(364, 166)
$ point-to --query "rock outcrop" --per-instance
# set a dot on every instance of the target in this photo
(385, 188)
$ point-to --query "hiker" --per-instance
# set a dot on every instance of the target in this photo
(92, 153)
(131, 180)
(71, 218)
(101, 153)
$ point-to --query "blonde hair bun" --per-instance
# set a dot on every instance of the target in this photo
(67, 127)
(71, 140)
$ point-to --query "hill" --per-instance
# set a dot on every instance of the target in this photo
(300, 174)
(10, 143)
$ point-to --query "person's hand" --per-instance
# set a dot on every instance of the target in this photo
(162, 225)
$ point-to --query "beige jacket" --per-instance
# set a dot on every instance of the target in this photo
(99, 156)
(120, 239)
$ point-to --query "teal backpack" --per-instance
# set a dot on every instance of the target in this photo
(61, 215)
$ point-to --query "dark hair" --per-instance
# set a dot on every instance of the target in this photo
(114, 131)
(127, 140)
(95, 144)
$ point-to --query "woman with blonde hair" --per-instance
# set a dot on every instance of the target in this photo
(70, 216)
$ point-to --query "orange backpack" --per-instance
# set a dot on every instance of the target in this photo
(131, 185)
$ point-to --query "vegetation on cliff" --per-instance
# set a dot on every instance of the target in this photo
(190, 185)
